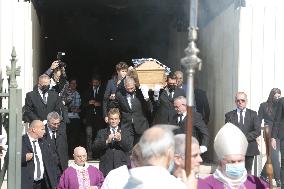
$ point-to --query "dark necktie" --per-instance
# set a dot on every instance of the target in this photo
(241, 123)
(54, 136)
(37, 160)
(180, 119)
(44, 98)
(132, 99)
(171, 94)
(113, 131)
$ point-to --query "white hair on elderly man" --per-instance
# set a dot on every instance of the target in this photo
(157, 142)
(180, 143)
(53, 115)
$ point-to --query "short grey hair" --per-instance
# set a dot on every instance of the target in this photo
(53, 115)
(156, 141)
(43, 76)
(181, 98)
(129, 80)
(180, 143)
(178, 72)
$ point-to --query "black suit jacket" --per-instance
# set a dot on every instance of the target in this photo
(92, 114)
(116, 154)
(60, 150)
(202, 105)
(251, 128)
(278, 124)
(199, 128)
(138, 115)
(35, 109)
(164, 108)
(27, 167)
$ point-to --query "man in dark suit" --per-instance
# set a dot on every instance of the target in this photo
(114, 143)
(38, 169)
(202, 104)
(247, 121)
(200, 97)
(135, 107)
(41, 101)
(92, 111)
(57, 141)
(199, 128)
(164, 110)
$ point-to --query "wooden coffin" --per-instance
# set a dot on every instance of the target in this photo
(150, 73)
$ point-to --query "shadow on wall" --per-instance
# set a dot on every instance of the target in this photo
(210, 9)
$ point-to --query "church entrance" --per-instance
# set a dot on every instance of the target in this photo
(97, 34)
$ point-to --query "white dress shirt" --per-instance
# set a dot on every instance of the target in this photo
(129, 98)
(41, 94)
(39, 154)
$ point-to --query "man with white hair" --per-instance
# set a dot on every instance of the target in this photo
(157, 149)
(179, 156)
(230, 145)
(199, 128)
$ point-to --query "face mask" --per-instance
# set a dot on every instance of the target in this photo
(44, 88)
(275, 101)
(171, 167)
(171, 87)
(235, 170)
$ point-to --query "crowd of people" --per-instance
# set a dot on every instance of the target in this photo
(137, 134)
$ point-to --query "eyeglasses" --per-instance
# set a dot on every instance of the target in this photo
(240, 100)
(179, 106)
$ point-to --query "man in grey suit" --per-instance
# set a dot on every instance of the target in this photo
(247, 121)
(55, 136)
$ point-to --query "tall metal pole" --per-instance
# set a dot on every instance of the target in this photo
(15, 128)
(191, 62)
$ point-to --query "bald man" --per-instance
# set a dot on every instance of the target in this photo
(38, 168)
(247, 121)
(80, 174)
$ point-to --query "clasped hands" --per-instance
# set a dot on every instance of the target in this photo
(94, 102)
(116, 137)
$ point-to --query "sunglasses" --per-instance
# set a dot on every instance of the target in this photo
(240, 100)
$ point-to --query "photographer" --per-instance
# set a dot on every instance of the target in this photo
(59, 84)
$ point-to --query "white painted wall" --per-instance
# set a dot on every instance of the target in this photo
(242, 50)
(19, 28)
(261, 49)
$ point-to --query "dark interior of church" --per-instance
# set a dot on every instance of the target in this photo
(97, 34)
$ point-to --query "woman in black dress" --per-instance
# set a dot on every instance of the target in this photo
(266, 112)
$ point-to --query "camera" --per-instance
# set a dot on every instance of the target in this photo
(59, 58)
